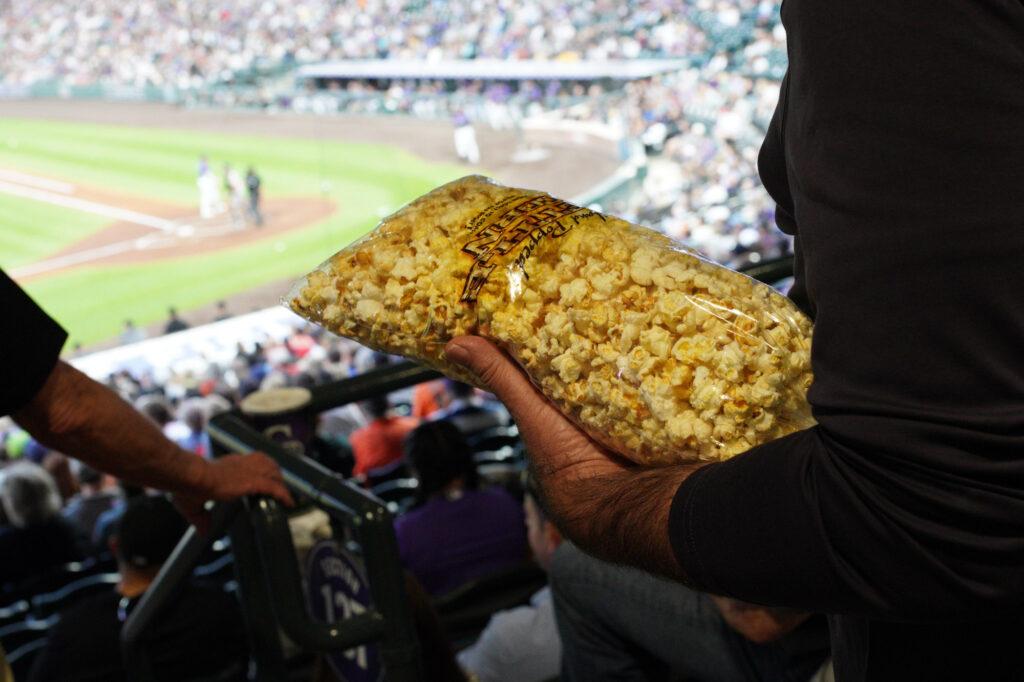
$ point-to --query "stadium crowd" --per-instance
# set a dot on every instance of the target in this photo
(697, 130)
(701, 184)
(191, 44)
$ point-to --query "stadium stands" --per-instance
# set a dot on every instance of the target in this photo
(185, 45)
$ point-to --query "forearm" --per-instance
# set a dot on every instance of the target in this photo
(620, 516)
(86, 420)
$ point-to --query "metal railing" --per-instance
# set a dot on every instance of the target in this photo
(266, 569)
(270, 587)
(770, 271)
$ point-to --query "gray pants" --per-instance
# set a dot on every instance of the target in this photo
(622, 624)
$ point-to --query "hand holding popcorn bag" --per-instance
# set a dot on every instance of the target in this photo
(655, 352)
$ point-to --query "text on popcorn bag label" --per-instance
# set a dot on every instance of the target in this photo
(503, 227)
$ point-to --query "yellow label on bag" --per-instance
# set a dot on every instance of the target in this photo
(503, 227)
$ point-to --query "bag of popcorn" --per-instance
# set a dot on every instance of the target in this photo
(654, 351)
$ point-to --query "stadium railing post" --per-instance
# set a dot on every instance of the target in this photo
(262, 629)
(389, 621)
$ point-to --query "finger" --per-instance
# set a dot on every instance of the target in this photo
(202, 522)
(265, 466)
(194, 513)
(261, 462)
(276, 489)
(275, 474)
(284, 496)
(266, 478)
(500, 374)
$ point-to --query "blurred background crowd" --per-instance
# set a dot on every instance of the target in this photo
(187, 44)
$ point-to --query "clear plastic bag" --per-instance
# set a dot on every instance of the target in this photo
(655, 352)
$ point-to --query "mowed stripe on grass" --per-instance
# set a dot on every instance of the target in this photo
(363, 180)
(161, 164)
(29, 230)
(143, 292)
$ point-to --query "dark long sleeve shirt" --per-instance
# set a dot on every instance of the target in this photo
(30, 343)
(896, 157)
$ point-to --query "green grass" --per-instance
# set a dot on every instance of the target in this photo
(144, 291)
(30, 230)
(363, 180)
(161, 163)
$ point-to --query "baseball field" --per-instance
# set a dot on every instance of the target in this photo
(99, 206)
(100, 222)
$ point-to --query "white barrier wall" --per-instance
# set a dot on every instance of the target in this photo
(194, 348)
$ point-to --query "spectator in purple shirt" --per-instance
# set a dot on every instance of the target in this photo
(457, 532)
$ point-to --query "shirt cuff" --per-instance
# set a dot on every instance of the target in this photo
(683, 525)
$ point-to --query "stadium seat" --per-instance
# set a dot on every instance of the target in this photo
(212, 560)
(507, 474)
(51, 580)
(51, 603)
(495, 439)
(465, 611)
(398, 493)
(18, 634)
(219, 571)
(14, 612)
(22, 641)
(395, 470)
(504, 454)
(22, 658)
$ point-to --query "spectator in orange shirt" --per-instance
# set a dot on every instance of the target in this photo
(428, 398)
(379, 443)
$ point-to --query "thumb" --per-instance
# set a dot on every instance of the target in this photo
(202, 523)
(194, 512)
(497, 371)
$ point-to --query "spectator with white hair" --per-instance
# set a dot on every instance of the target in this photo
(35, 536)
